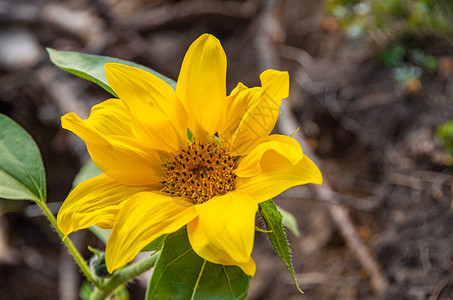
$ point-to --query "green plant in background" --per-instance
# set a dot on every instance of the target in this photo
(445, 136)
(395, 18)
(397, 26)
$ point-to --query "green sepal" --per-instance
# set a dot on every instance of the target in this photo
(274, 223)
(95, 251)
(91, 67)
(22, 175)
(181, 274)
(97, 264)
(190, 136)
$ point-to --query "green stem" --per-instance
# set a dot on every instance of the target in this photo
(74, 252)
(122, 276)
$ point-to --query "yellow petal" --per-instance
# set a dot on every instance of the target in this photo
(280, 147)
(120, 157)
(237, 104)
(262, 114)
(249, 267)
(142, 219)
(159, 119)
(201, 85)
(224, 231)
(111, 117)
(278, 176)
(94, 202)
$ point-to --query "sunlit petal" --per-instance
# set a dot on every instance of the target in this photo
(224, 231)
(237, 103)
(279, 146)
(262, 114)
(111, 117)
(142, 219)
(94, 202)
(120, 157)
(159, 119)
(201, 85)
(278, 176)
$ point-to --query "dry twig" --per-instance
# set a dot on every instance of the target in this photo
(438, 289)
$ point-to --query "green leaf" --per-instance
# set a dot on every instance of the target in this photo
(156, 244)
(273, 220)
(85, 291)
(445, 135)
(22, 175)
(91, 67)
(181, 274)
(102, 234)
(87, 171)
(289, 221)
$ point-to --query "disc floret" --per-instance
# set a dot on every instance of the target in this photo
(199, 172)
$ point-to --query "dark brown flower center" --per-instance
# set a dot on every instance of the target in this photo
(200, 172)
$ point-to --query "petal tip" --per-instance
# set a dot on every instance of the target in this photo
(249, 268)
(208, 36)
(67, 119)
(319, 180)
(276, 81)
(111, 65)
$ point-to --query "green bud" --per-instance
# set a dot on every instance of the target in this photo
(97, 264)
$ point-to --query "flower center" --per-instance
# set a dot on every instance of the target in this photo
(200, 172)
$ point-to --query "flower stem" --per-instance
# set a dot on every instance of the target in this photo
(122, 276)
(70, 245)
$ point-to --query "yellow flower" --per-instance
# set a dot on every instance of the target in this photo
(155, 180)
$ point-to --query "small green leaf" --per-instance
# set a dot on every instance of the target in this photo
(85, 291)
(273, 220)
(445, 135)
(289, 221)
(22, 175)
(91, 67)
(181, 274)
(102, 234)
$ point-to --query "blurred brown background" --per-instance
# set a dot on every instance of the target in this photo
(371, 81)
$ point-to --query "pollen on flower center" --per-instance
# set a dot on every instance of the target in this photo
(200, 172)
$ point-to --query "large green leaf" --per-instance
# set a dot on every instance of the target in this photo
(181, 274)
(91, 67)
(273, 220)
(22, 175)
(156, 244)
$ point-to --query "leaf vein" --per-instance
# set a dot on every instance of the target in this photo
(198, 280)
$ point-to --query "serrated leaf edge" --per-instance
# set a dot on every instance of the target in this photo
(289, 265)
